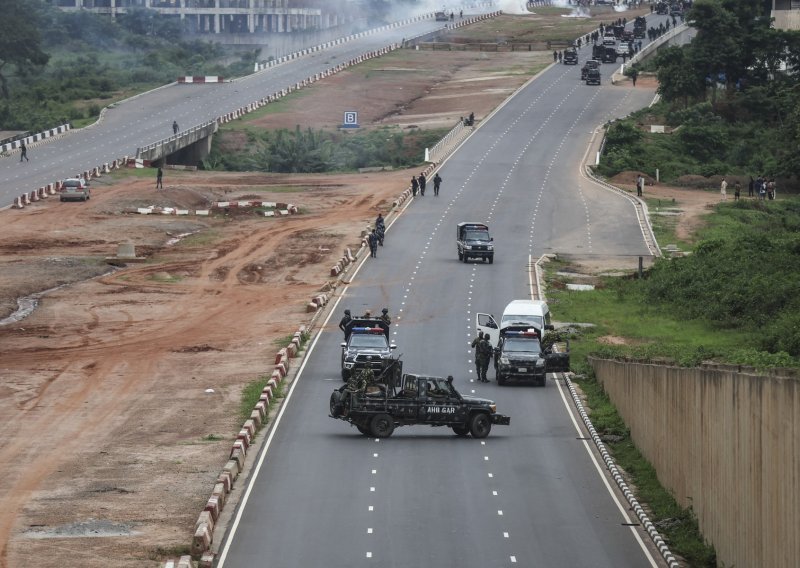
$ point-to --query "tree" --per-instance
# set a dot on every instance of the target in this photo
(20, 41)
(677, 79)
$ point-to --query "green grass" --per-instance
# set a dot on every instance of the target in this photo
(664, 225)
(252, 392)
(201, 238)
(677, 525)
(275, 107)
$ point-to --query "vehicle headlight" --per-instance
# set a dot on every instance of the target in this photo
(540, 362)
(493, 408)
(504, 360)
(467, 247)
(490, 247)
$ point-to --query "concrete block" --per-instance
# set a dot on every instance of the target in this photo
(238, 458)
(225, 480)
(202, 212)
(280, 355)
(201, 542)
(273, 382)
(281, 369)
(311, 307)
(284, 211)
(251, 428)
(181, 212)
(205, 517)
(220, 493)
(335, 270)
(232, 468)
(207, 560)
(212, 506)
(291, 350)
(268, 389)
(240, 444)
(262, 407)
(255, 416)
(184, 562)
(269, 213)
(143, 211)
(244, 437)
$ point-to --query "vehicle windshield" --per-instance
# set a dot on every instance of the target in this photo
(371, 341)
(518, 345)
(476, 236)
(531, 320)
(72, 183)
(437, 385)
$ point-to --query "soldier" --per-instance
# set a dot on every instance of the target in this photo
(387, 321)
(487, 357)
(344, 324)
(414, 186)
(477, 345)
(422, 181)
(356, 384)
(372, 240)
(437, 181)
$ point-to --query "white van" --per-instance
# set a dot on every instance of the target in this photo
(518, 313)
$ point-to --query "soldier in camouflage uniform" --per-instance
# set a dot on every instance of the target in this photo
(487, 357)
(480, 355)
(356, 385)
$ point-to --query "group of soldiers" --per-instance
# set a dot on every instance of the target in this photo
(483, 355)
(346, 323)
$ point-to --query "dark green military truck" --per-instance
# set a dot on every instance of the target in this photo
(376, 409)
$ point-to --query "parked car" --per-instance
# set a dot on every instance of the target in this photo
(75, 189)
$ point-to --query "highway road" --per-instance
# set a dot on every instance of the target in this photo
(531, 494)
(147, 118)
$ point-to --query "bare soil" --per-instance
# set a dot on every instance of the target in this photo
(111, 443)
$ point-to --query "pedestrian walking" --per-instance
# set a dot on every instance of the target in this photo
(422, 183)
(344, 324)
(634, 75)
(723, 189)
(414, 186)
(174, 126)
(23, 152)
(373, 244)
(437, 181)
(639, 185)
(159, 178)
(555, 56)
(737, 190)
(750, 187)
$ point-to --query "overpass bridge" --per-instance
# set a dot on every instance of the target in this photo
(187, 147)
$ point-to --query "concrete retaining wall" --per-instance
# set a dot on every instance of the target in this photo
(724, 442)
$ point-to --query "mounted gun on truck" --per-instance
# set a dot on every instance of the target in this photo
(376, 407)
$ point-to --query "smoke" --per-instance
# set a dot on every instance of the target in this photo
(513, 6)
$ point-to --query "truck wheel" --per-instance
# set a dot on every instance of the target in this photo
(460, 431)
(335, 405)
(382, 425)
(543, 381)
(480, 425)
(501, 380)
(345, 375)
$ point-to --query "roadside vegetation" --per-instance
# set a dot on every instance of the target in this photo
(729, 105)
(316, 151)
(58, 67)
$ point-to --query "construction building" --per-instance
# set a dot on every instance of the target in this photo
(231, 16)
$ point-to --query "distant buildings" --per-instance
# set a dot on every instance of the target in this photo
(786, 14)
(231, 16)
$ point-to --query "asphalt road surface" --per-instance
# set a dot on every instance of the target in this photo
(147, 118)
(530, 494)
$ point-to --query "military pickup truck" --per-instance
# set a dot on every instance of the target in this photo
(367, 346)
(378, 408)
(570, 56)
(473, 241)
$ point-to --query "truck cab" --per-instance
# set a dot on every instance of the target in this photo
(570, 56)
(519, 356)
(473, 241)
(367, 346)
